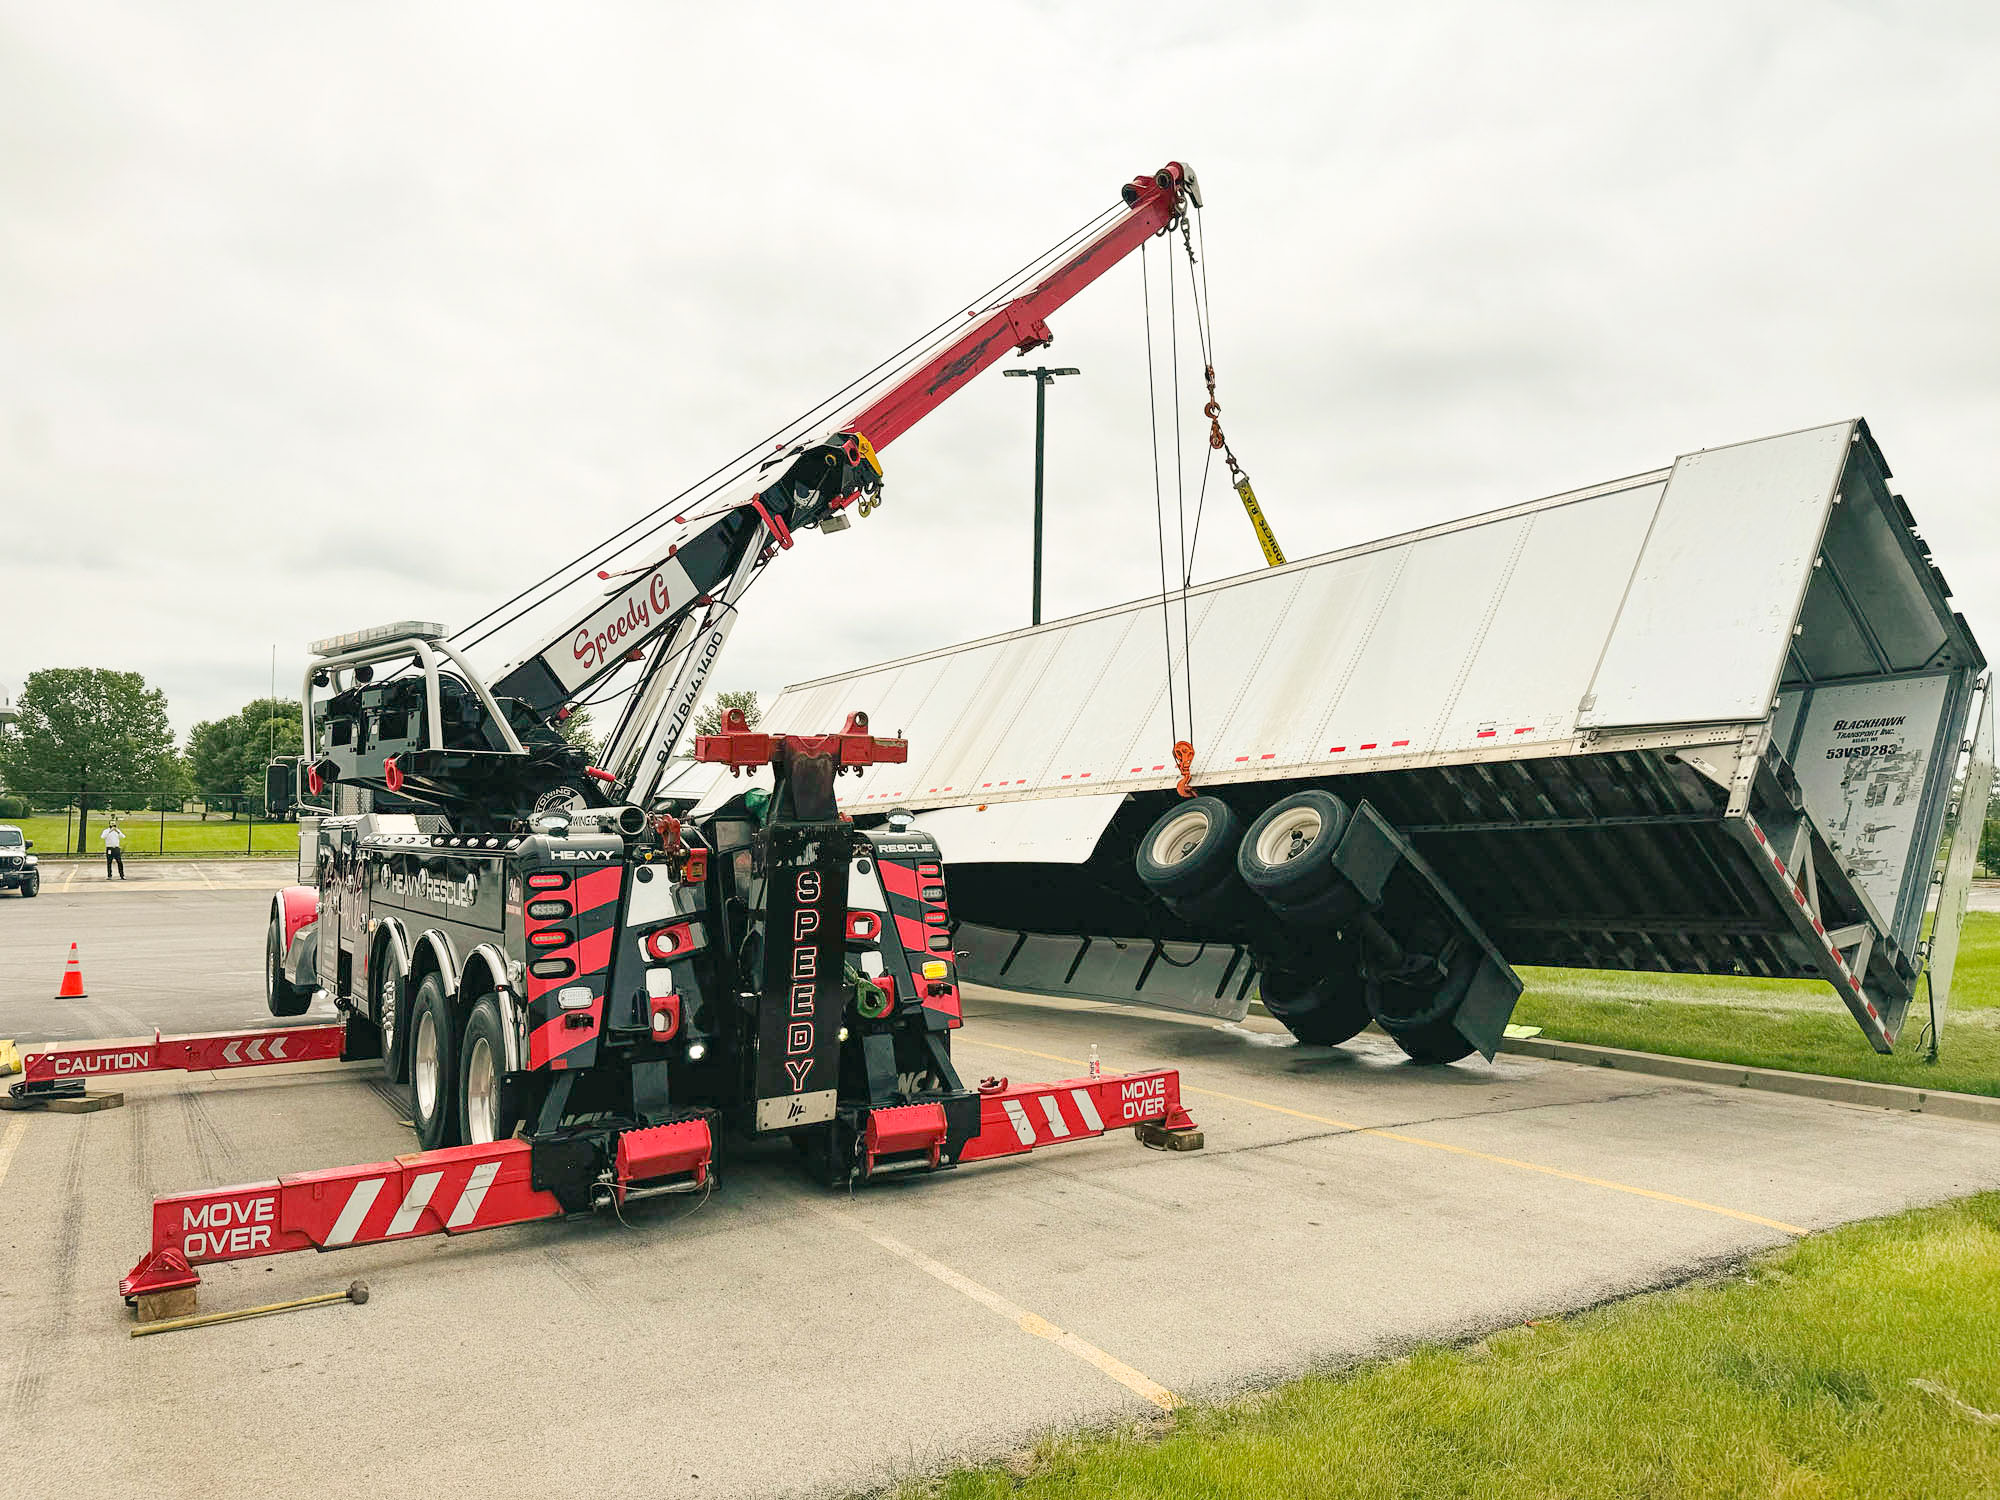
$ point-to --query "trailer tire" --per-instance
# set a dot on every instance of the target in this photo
(1420, 1021)
(281, 996)
(1321, 1012)
(485, 1103)
(1187, 854)
(433, 1066)
(1287, 856)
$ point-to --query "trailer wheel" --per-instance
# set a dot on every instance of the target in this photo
(281, 996)
(433, 1066)
(1287, 856)
(1186, 854)
(1420, 1020)
(1321, 1012)
(484, 1102)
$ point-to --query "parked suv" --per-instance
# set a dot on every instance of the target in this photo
(18, 868)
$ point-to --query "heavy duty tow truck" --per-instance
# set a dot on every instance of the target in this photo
(585, 994)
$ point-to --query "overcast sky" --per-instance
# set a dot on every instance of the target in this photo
(313, 317)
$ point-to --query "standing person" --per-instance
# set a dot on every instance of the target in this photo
(114, 848)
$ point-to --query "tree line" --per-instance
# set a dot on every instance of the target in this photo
(93, 739)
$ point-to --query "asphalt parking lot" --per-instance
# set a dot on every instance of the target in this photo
(775, 1338)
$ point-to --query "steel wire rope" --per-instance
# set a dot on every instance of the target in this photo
(1180, 487)
(742, 464)
(1205, 331)
(1159, 501)
(737, 467)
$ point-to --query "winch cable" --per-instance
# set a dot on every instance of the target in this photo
(741, 465)
(1183, 748)
(1205, 332)
(1267, 541)
(721, 478)
(1180, 488)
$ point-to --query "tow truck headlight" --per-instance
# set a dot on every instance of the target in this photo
(697, 1051)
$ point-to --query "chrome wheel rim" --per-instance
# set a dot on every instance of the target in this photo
(482, 1098)
(424, 1066)
(1286, 836)
(387, 1024)
(1180, 838)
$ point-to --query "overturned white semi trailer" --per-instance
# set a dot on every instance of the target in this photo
(1698, 720)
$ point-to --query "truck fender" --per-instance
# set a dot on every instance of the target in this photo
(435, 947)
(296, 906)
(513, 1031)
(390, 939)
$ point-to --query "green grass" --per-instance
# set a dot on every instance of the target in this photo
(1795, 1024)
(185, 834)
(1788, 1377)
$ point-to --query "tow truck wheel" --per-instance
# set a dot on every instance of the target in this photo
(433, 1066)
(281, 996)
(392, 1020)
(483, 1102)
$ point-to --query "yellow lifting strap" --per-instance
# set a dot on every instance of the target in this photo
(1274, 555)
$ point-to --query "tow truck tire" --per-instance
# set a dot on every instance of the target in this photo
(1186, 856)
(393, 1021)
(433, 1066)
(485, 1103)
(1322, 1012)
(281, 996)
(1287, 856)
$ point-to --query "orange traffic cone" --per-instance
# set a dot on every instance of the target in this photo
(72, 980)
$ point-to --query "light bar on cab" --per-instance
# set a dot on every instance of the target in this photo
(354, 640)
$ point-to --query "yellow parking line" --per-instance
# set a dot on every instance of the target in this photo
(16, 1128)
(1020, 1317)
(1417, 1140)
(74, 871)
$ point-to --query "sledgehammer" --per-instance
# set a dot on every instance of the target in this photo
(357, 1293)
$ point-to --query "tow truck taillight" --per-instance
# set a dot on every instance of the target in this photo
(547, 880)
(548, 910)
(549, 937)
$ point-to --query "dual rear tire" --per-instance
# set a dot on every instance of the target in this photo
(457, 1074)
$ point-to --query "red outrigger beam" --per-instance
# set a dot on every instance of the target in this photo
(55, 1071)
(461, 1189)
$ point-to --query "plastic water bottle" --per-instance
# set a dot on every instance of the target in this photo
(1095, 1067)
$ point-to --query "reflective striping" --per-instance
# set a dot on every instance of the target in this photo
(1020, 1118)
(277, 1048)
(1058, 1127)
(467, 1207)
(414, 1203)
(1087, 1107)
(348, 1225)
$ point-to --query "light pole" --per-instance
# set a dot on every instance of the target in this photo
(1043, 375)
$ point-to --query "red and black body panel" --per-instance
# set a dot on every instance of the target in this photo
(917, 925)
(572, 890)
